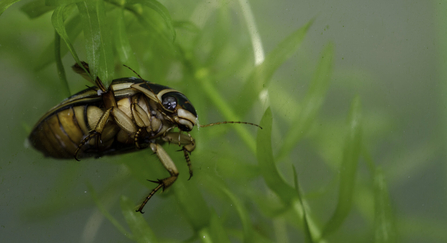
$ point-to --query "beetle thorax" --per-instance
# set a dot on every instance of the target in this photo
(146, 118)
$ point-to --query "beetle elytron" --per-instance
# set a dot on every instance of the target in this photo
(131, 114)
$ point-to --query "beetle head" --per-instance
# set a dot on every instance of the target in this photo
(184, 113)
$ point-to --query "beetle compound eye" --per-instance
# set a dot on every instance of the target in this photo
(169, 102)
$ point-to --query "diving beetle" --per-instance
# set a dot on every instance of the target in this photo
(131, 114)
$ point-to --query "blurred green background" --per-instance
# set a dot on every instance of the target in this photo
(351, 95)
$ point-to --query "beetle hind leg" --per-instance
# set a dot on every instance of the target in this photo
(85, 140)
(162, 183)
(95, 132)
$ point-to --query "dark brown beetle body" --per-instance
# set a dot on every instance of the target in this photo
(59, 133)
(131, 114)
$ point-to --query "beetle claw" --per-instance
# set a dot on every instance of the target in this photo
(158, 181)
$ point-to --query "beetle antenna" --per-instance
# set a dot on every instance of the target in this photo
(226, 122)
(90, 87)
(133, 71)
(141, 79)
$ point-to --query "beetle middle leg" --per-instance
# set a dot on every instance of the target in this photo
(163, 183)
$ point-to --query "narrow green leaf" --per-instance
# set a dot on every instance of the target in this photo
(348, 168)
(106, 213)
(166, 31)
(312, 102)
(5, 4)
(267, 163)
(219, 40)
(98, 40)
(137, 224)
(163, 12)
(58, 19)
(261, 75)
(192, 203)
(216, 231)
(73, 28)
(36, 8)
(384, 223)
(187, 25)
(122, 43)
(59, 65)
(307, 232)
(60, 2)
(205, 235)
(243, 214)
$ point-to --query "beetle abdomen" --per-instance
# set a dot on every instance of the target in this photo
(59, 134)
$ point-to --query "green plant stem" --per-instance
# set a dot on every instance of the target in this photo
(258, 50)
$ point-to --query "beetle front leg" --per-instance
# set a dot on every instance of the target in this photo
(188, 145)
(163, 183)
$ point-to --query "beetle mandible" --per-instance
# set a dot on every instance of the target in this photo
(131, 114)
